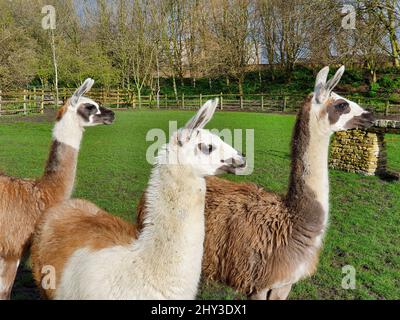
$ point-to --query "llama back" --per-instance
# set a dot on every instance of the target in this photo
(17, 195)
(76, 221)
(250, 226)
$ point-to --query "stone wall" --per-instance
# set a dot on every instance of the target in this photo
(359, 151)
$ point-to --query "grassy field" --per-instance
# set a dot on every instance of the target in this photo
(112, 172)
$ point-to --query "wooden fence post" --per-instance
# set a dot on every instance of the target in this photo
(183, 100)
(25, 93)
(166, 101)
(222, 103)
(42, 102)
(262, 103)
(133, 101)
(201, 100)
(35, 104)
(117, 97)
(64, 97)
(103, 96)
(284, 103)
(387, 106)
(241, 101)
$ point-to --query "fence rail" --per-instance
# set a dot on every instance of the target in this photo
(36, 100)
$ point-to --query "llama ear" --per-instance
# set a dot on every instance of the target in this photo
(203, 116)
(178, 137)
(332, 83)
(320, 92)
(85, 87)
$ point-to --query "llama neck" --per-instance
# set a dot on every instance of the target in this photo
(68, 130)
(308, 196)
(58, 179)
(173, 232)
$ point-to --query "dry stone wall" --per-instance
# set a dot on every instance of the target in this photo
(359, 151)
(363, 151)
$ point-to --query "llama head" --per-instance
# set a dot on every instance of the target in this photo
(207, 153)
(85, 111)
(333, 112)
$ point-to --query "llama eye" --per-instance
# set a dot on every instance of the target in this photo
(341, 106)
(91, 107)
(206, 148)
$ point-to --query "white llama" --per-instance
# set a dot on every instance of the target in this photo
(99, 256)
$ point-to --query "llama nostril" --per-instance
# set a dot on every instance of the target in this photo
(368, 119)
(235, 162)
(369, 116)
(108, 116)
(239, 163)
(243, 163)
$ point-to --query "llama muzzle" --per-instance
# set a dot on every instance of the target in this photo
(232, 165)
(106, 116)
(363, 121)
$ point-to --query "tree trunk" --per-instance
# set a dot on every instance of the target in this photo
(258, 60)
(139, 95)
(240, 84)
(395, 49)
(175, 90)
(373, 76)
(372, 71)
(272, 71)
(394, 43)
(53, 49)
(289, 70)
(158, 82)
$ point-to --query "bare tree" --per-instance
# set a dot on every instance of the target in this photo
(369, 42)
(230, 36)
(388, 12)
(265, 11)
(293, 22)
(173, 39)
(142, 46)
(18, 54)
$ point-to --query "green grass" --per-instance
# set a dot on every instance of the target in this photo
(112, 172)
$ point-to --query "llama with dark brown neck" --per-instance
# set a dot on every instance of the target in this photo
(23, 201)
(259, 243)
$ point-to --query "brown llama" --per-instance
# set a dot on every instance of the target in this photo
(259, 243)
(22, 201)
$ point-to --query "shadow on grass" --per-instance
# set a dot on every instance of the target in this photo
(24, 286)
(389, 176)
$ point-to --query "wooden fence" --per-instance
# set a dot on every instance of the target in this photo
(36, 100)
